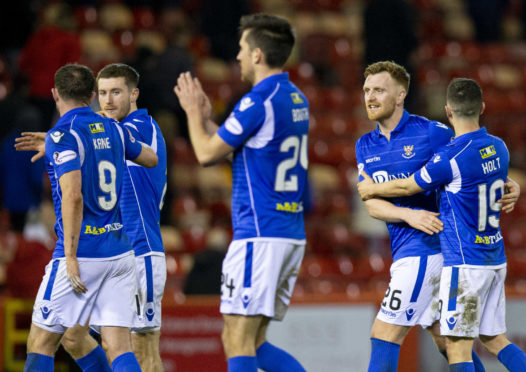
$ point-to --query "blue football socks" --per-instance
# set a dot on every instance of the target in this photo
(384, 356)
(462, 367)
(479, 367)
(273, 359)
(95, 361)
(39, 363)
(242, 364)
(513, 358)
(126, 363)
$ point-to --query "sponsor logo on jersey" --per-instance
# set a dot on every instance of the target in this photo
(233, 125)
(296, 98)
(56, 136)
(409, 313)
(94, 230)
(451, 323)
(408, 152)
(45, 311)
(245, 104)
(487, 152)
(383, 176)
(96, 128)
(425, 175)
(64, 156)
(290, 207)
(488, 239)
(373, 159)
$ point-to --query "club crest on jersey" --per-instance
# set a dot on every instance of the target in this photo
(408, 152)
(487, 152)
(296, 98)
(96, 128)
(56, 136)
(245, 103)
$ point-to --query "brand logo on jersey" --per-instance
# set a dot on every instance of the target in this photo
(372, 160)
(451, 323)
(487, 152)
(150, 312)
(296, 98)
(96, 127)
(94, 230)
(233, 125)
(245, 104)
(441, 125)
(64, 156)
(245, 298)
(408, 152)
(45, 311)
(409, 313)
(56, 136)
(436, 159)
(388, 313)
(383, 176)
(491, 239)
(290, 207)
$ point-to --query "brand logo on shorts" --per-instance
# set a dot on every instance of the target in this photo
(245, 298)
(451, 323)
(150, 312)
(409, 313)
(45, 311)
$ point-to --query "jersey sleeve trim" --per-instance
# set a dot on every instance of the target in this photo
(266, 132)
(80, 145)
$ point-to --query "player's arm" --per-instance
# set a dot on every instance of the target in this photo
(147, 157)
(419, 219)
(72, 205)
(209, 148)
(510, 198)
(392, 189)
(32, 141)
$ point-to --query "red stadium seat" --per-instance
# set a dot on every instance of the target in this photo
(144, 18)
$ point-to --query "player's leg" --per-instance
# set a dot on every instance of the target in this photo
(85, 349)
(409, 300)
(239, 341)
(459, 351)
(271, 358)
(119, 349)
(440, 342)
(508, 353)
(41, 348)
(146, 349)
(151, 278)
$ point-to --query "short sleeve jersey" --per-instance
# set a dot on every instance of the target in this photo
(83, 140)
(144, 188)
(412, 143)
(268, 129)
(471, 172)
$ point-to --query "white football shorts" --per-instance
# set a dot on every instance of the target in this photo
(259, 275)
(151, 278)
(412, 296)
(109, 300)
(473, 301)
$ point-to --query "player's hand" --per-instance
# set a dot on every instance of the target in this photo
(206, 105)
(32, 141)
(425, 221)
(365, 187)
(72, 269)
(510, 198)
(188, 92)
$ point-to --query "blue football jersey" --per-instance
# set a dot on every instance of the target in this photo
(83, 140)
(144, 188)
(269, 128)
(471, 172)
(412, 143)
